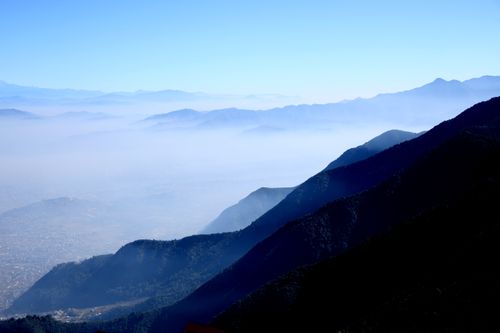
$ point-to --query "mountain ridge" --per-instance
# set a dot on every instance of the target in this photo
(375, 288)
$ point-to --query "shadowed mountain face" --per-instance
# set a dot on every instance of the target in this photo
(453, 170)
(193, 260)
(247, 210)
(435, 273)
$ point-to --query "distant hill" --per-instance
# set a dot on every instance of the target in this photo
(160, 268)
(247, 210)
(38, 236)
(176, 116)
(14, 114)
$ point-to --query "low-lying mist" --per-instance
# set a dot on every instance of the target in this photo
(190, 174)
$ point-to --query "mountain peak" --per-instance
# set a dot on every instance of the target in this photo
(439, 80)
(375, 145)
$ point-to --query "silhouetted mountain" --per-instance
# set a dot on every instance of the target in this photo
(247, 209)
(426, 105)
(375, 145)
(166, 266)
(14, 114)
(434, 273)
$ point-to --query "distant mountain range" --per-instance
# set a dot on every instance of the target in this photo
(14, 114)
(11, 93)
(421, 107)
(19, 115)
(426, 105)
(24, 96)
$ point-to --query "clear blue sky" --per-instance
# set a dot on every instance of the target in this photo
(324, 50)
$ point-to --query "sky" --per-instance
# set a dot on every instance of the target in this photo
(319, 50)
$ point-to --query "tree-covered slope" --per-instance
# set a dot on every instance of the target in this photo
(448, 173)
(435, 273)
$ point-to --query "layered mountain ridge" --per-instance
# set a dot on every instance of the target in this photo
(444, 175)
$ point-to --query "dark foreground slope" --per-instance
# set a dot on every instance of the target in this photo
(445, 175)
(143, 268)
(436, 273)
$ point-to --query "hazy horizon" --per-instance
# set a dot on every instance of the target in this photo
(321, 51)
